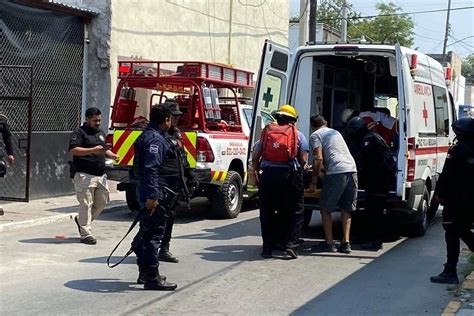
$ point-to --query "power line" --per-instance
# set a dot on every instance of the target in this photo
(397, 14)
(461, 40)
(252, 5)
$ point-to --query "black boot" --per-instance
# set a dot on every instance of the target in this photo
(165, 254)
(142, 275)
(448, 276)
(155, 282)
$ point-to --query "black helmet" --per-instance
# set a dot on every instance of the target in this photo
(464, 127)
(356, 127)
(3, 168)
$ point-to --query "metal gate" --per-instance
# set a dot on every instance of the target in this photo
(16, 85)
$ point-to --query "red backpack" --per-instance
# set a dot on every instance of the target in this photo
(279, 142)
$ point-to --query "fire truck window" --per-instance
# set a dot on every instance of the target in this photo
(441, 111)
(269, 99)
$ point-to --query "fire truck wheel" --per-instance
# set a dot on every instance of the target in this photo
(421, 224)
(132, 199)
(227, 199)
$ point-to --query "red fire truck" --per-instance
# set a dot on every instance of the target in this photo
(215, 140)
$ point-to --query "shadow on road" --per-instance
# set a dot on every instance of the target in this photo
(397, 283)
(55, 241)
(102, 285)
(113, 259)
(249, 227)
(231, 253)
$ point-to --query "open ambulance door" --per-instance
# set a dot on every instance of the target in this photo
(402, 158)
(271, 87)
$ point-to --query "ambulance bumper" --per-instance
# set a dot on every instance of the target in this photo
(202, 175)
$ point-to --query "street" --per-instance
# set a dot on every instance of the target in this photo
(220, 272)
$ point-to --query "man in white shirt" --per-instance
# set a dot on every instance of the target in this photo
(340, 182)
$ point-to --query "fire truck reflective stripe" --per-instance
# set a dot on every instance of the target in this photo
(223, 176)
(189, 143)
(431, 150)
(125, 151)
(119, 137)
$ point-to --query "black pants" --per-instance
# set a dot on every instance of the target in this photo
(147, 242)
(281, 206)
(377, 186)
(456, 228)
(168, 229)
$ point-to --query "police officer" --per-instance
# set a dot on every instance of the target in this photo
(152, 153)
(281, 191)
(376, 169)
(7, 141)
(180, 168)
(454, 191)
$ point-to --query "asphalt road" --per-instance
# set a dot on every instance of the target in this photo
(220, 273)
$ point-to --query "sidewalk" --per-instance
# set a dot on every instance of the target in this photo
(463, 301)
(20, 215)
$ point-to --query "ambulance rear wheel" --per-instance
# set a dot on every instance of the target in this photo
(132, 198)
(227, 199)
(422, 222)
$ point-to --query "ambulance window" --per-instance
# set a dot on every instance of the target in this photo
(441, 111)
(270, 97)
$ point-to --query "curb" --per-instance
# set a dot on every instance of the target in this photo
(51, 219)
(455, 305)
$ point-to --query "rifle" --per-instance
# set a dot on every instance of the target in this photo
(158, 218)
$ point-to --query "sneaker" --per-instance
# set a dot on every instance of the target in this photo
(266, 253)
(324, 247)
(445, 278)
(89, 240)
(76, 220)
(290, 254)
(345, 247)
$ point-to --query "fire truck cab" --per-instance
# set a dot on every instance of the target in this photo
(369, 79)
(214, 138)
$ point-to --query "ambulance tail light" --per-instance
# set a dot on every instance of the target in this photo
(411, 159)
(204, 150)
(448, 73)
(413, 61)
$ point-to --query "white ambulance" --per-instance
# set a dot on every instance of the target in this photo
(331, 78)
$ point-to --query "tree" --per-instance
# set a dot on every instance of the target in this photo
(386, 27)
(330, 13)
(467, 69)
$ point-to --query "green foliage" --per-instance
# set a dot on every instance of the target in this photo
(395, 28)
(467, 69)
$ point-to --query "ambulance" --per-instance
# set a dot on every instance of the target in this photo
(405, 84)
(214, 124)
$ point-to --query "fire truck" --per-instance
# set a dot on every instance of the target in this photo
(214, 127)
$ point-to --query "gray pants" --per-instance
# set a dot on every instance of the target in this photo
(93, 194)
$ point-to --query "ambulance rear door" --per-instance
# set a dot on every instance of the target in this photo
(271, 87)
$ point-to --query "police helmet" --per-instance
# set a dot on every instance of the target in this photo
(464, 127)
(3, 168)
(356, 127)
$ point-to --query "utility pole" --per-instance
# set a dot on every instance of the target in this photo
(447, 31)
(303, 22)
(344, 22)
(312, 20)
(229, 41)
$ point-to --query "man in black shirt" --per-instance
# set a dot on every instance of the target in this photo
(88, 148)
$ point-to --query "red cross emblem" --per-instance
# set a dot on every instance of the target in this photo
(425, 114)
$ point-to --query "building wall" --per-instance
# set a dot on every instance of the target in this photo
(196, 30)
(469, 95)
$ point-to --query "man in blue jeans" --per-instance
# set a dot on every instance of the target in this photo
(340, 182)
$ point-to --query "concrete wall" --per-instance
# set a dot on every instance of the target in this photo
(176, 30)
(196, 30)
